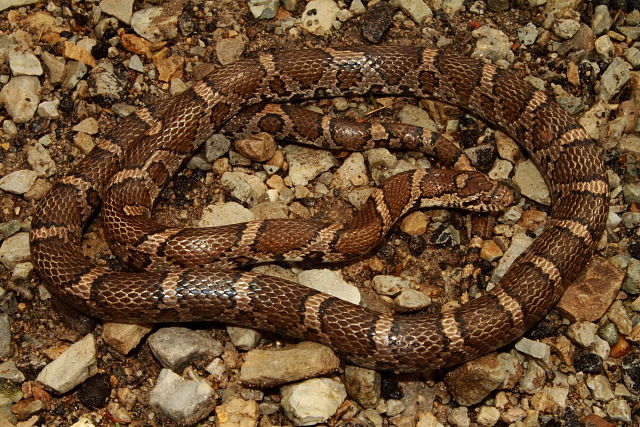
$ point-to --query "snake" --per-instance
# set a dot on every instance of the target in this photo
(126, 171)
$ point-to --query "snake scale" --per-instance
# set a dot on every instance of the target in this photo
(147, 147)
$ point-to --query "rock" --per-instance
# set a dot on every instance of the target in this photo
(72, 367)
(533, 379)
(263, 9)
(259, 147)
(48, 110)
(488, 416)
(124, 337)
(14, 250)
(182, 401)
(362, 385)
(415, 223)
(84, 142)
(55, 67)
(157, 23)
(245, 187)
(40, 161)
(89, 126)
(473, 381)
(177, 347)
(18, 182)
(459, 417)
(411, 300)
(74, 71)
(9, 371)
(535, 349)
(591, 294)
(528, 34)
(121, 9)
(492, 45)
(614, 77)
(104, 82)
(490, 251)
(377, 20)
(20, 97)
(389, 285)
(618, 315)
(416, 9)
(230, 50)
(619, 410)
(5, 336)
(330, 282)
(381, 162)
(243, 338)
(551, 399)
(566, 28)
(220, 214)
(318, 16)
(531, 183)
(601, 20)
(306, 163)
(78, 53)
(312, 401)
(519, 243)
(268, 368)
(604, 46)
(352, 173)
(600, 388)
(238, 412)
(6, 4)
(632, 55)
(583, 333)
(24, 64)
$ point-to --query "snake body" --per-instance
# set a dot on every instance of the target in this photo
(148, 146)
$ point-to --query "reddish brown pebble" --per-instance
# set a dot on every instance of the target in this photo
(595, 421)
(621, 348)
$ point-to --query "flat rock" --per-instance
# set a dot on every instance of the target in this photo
(531, 183)
(72, 367)
(124, 337)
(591, 294)
(15, 250)
(18, 182)
(21, 97)
(268, 368)
(176, 347)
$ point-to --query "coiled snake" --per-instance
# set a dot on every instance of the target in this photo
(148, 146)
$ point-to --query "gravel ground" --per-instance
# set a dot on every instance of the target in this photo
(69, 71)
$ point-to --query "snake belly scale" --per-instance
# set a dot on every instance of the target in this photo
(566, 156)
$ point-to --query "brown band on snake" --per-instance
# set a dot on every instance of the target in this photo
(566, 156)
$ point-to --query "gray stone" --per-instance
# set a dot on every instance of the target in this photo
(600, 388)
(229, 50)
(601, 21)
(306, 163)
(243, 338)
(177, 347)
(492, 44)
(263, 9)
(6, 4)
(535, 349)
(18, 182)
(9, 371)
(631, 192)
(245, 187)
(416, 9)
(74, 71)
(183, 401)
(528, 34)
(531, 183)
(330, 282)
(40, 161)
(5, 336)
(614, 77)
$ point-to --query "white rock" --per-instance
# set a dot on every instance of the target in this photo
(245, 187)
(18, 182)
(224, 214)
(535, 349)
(243, 338)
(40, 161)
(183, 401)
(531, 182)
(6, 4)
(49, 110)
(519, 243)
(352, 173)
(72, 367)
(416, 9)
(24, 64)
(121, 9)
(614, 77)
(306, 163)
(492, 44)
(319, 15)
(21, 97)
(156, 23)
(312, 401)
(330, 282)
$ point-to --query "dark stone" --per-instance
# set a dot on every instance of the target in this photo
(498, 5)
(587, 362)
(377, 20)
(631, 371)
(416, 245)
(93, 393)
